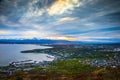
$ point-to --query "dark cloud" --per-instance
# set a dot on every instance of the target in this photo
(90, 16)
(89, 31)
(15, 9)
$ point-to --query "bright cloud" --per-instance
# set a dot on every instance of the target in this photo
(66, 19)
(63, 6)
(4, 32)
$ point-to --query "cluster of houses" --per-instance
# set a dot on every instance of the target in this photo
(26, 65)
(102, 62)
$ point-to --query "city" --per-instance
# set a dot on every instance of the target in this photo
(96, 57)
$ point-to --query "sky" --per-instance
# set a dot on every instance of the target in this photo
(74, 20)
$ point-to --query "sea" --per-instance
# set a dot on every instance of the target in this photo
(12, 52)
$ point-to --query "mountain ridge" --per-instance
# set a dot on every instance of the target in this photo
(49, 41)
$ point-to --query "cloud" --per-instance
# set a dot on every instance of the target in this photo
(4, 20)
(63, 6)
(65, 19)
(60, 19)
(70, 38)
(33, 11)
(3, 32)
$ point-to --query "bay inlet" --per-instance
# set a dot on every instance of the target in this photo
(12, 52)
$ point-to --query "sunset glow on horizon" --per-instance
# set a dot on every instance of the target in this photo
(62, 38)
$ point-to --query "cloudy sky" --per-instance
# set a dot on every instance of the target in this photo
(81, 20)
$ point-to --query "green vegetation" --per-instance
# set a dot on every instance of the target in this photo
(70, 66)
(66, 70)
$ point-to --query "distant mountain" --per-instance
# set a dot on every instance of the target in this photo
(47, 41)
(35, 41)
